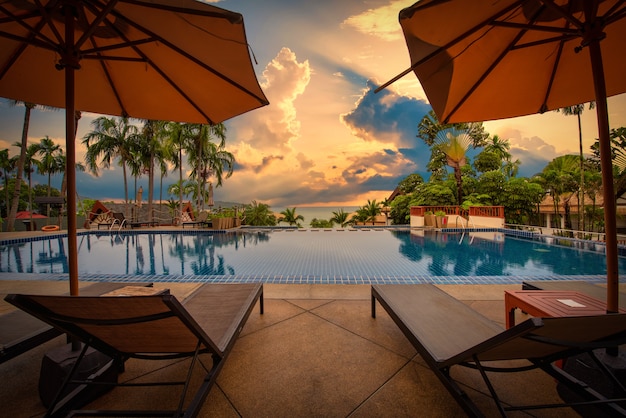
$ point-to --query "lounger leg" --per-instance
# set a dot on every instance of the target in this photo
(52, 409)
(492, 390)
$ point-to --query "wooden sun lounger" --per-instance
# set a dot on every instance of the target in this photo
(581, 286)
(448, 333)
(21, 332)
(153, 327)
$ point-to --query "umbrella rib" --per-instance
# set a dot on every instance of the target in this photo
(191, 58)
(485, 74)
(101, 15)
(405, 13)
(34, 32)
(110, 80)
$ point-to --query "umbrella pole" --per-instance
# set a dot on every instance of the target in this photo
(70, 64)
(606, 165)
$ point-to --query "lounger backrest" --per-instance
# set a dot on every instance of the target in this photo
(538, 338)
(121, 324)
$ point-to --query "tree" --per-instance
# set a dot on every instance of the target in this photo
(150, 147)
(410, 183)
(340, 218)
(559, 178)
(434, 194)
(208, 158)
(30, 164)
(371, 210)
(7, 166)
(487, 161)
(259, 214)
(289, 216)
(578, 110)
(176, 134)
(20, 163)
(110, 139)
(401, 209)
(50, 163)
(451, 140)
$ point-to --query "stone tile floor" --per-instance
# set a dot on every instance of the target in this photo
(316, 352)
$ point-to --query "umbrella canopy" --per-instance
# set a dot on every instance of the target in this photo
(177, 60)
(24, 214)
(482, 60)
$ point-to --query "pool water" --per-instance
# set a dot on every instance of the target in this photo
(309, 256)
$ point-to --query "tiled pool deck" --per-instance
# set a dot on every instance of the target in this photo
(316, 352)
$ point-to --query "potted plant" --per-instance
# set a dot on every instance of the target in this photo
(441, 219)
(429, 218)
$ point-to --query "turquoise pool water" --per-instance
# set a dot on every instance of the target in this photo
(310, 256)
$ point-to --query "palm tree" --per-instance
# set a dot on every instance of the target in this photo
(450, 141)
(578, 110)
(6, 165)
(176, 135)
(372, 210)
(20, 164)
(341, 218)
(498, 146)
(30, 164)
(208, 158)
(111, 138)
(289, 216)
(259, 214)
(558, 178)
(49, 163)
(151, 148)
(454, 144)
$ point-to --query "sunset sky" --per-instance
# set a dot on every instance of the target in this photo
(326, 138)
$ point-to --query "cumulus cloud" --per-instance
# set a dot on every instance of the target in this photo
(277, 125)
(533, 152)
(386, 116)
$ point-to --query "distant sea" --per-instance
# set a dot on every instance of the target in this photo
(319, 212)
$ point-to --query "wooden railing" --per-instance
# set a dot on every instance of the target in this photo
(486, 211)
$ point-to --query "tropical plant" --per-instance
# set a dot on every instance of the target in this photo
(371, 210)
(578, 110)
(560, 179)
(110, 139)
(449, 143)
(208, 158)
(289, 216)
(410, 183)
(28, 107)
(50, 162)
(340, 218)
(321, 223)
(176, 135)
(259, 214)
(7, 165)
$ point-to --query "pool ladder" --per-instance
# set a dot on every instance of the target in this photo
(456, 221)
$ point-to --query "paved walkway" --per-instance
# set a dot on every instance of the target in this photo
(316, 352)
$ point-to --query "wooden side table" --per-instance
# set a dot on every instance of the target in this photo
(551, 303)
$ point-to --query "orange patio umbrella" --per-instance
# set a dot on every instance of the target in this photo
(175, 60)
(482, 60)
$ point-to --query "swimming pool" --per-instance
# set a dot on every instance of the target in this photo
(308, 256)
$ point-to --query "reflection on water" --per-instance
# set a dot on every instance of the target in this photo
(361, 254)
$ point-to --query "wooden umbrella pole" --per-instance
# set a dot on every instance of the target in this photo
(606, 165)
(70, 63)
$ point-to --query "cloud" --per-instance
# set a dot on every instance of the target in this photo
(381, 22)
(386, 116)
(533, 152)
(277, 125)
